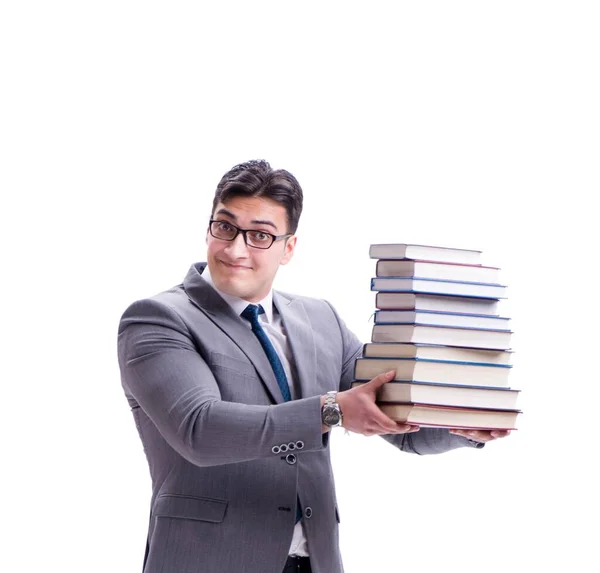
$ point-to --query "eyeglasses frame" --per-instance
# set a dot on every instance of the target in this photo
(244, 231)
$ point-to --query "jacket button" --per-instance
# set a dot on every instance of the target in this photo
(290, 459)
(275, 449)
(299, 444)
(308, 512)
(291, 446)
(283, 448)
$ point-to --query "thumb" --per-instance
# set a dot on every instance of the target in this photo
(381, 379)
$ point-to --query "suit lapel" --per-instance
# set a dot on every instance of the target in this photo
(207, 300)
(301, 340)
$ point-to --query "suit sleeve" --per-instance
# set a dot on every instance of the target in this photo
(426, 440)
(163, 373)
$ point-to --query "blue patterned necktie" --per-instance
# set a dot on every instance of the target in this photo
(251, 313)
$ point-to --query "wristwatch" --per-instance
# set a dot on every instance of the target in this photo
(331, 414)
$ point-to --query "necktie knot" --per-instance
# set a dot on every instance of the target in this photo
(251, 312)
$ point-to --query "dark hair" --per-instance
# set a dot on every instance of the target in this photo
(257, 178)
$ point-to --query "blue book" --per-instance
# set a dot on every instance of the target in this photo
(434, 371)
(432, 318)
(437, 287)
(442, 335)
(436, 352)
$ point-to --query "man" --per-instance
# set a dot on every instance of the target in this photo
(234, 388)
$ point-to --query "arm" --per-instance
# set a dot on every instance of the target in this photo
(163, 372)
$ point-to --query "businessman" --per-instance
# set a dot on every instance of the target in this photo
(234, 388)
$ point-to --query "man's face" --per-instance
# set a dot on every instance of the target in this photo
(238, 269)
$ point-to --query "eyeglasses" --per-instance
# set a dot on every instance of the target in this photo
(228, 232)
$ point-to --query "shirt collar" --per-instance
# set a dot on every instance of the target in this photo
(239, 304)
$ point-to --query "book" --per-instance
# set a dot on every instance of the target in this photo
(439, 371)
(451, 416)
(438, 271)
(441, 319)
(435, 303)
(441, 335)
(446, 395)
(413, 284)
(433, 352)
(424, 253)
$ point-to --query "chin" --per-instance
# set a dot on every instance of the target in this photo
(234, 286)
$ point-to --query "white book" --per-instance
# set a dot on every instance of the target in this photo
(438, 271)
(450, 416)
(424, 252)
(411, 284)
(441, 319)
(435, 371)
(446, 394)
(418, 301)
(442, 335)
(434, 352)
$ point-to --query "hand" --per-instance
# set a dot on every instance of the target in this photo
(481, 435)
(361, 414)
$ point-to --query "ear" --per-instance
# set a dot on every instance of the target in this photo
(288, 253)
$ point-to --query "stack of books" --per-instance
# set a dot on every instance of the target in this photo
(437, 326)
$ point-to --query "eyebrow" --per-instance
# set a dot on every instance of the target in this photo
(229, 214)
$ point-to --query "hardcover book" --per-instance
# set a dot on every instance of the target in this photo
(441, 335)
(430, 286)
(435, 352)
(435, 303)
(437, 271)
(451, 417)
(443, 372)
(441, 319)
(447, 395)
(424, 253)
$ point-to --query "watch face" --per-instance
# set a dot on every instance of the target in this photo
(331, 417)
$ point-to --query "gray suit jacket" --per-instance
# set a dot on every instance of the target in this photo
(227, 456)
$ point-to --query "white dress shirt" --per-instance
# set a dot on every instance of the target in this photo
(273, 326)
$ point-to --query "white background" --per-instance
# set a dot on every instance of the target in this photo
(466, 124)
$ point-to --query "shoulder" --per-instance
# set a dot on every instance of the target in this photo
(168, 303)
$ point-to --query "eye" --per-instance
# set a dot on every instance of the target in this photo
(224, 226)
(260, 237)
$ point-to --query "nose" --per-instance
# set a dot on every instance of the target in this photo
(237, 248)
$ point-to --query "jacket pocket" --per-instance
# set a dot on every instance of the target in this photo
(185, 507)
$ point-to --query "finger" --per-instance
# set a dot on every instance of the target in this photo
(406, 428)
(487, 435)
(458, 432)
(481, 435)
(500, 433)
(389, 425)
(399, 429)
(379, 423)
(381, 379)
(475, 435)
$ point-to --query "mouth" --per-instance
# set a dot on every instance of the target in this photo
(235, 267)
